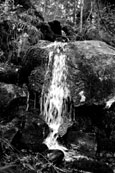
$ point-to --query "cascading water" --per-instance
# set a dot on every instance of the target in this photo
(54, 93)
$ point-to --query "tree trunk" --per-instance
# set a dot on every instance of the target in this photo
(45, 11)
(81, 15)
(74, 13)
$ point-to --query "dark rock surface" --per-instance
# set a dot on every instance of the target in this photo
(85, 142)
(35, 57)
(92, 75)
(36, 79)
(104, 143)
(9, 73)
(55, 27)
(1, 151)
(92, 166)
(45, 28)
(31, 136)
(70, 33)
(51, 31)
(35, 84)
(10, 98)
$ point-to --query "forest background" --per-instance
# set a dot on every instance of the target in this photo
(21, 23)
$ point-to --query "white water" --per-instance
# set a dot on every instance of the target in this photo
(53, 99)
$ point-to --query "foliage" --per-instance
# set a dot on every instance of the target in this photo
(15, 161)
(17, 30)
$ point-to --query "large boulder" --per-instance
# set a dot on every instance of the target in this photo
(90, 70)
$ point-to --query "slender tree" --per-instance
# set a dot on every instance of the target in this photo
(74, 13)
(81, 14)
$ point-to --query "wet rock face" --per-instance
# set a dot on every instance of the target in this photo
(35, 84)
(36, 79)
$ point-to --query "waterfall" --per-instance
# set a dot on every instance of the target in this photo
(56, 95)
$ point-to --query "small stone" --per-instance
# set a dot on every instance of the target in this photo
(55, 156)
